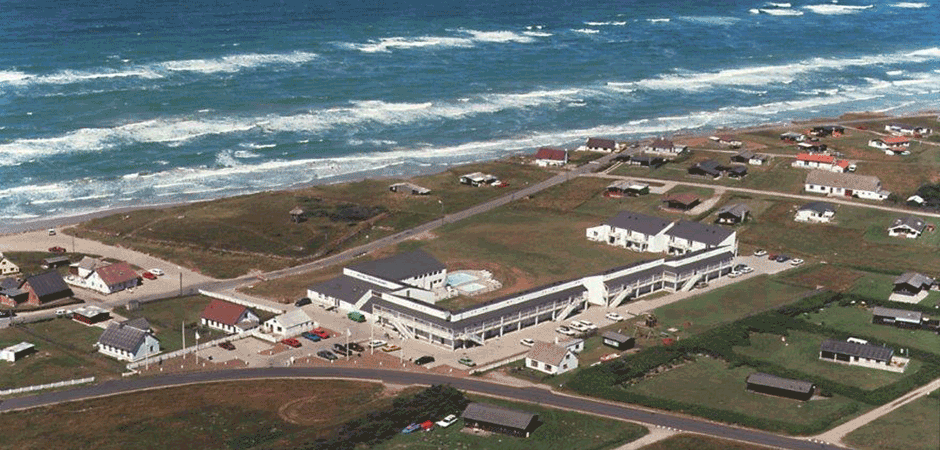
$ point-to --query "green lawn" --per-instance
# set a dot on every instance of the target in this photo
(800, 352)
(64, 351)
(560, 430)
(710, 382)
(696, 442)
(166, 316)
(911, 427)
(879, 286)
(727, 304)
(858, 319)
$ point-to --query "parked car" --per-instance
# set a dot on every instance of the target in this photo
(321, 332)
(57, 249)
(61, 312)
(157, 272)
(577, 326)
(447, 421)
(734, 274)
(424, 360)
(796, 261)
(782, 258)
(760, 252)
(700, 285)
(311, 336)
(565, 330)
(327, 355)
(467, 362)
(610, 356)
(527, 342)
(52, 232)
(772, 257)
(391, 348)
(586, 323)
(614, 316)
(356, 347)
(340, 349)
(738, 267)
(411, 428)
(227, 345)
(747, 269)
(149, 276)
(377, 343)
(7, 313)
(302, 302)
(291, 342)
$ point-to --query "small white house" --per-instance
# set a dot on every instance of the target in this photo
(819, 161)
(895, 145)
(907, 130)
(127, 342)
(665, 146)
(15, 352)
(289, 324)
(574, 344)
(845, 185)
(633, 231)
(599, 145)
(7, 267)
(228, 317)
(551, 359)
(815, 212)
(910, 227)
(547, 156)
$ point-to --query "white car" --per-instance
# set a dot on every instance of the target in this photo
(760, 252)
(735, 274)
(614, 316)
(575, 325)
(527, 342)
(587, 323)
(447, 421)
(157, 272)
(796, 261)
(564, 330)
(377, 344)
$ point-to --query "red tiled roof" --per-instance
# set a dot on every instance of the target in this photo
(550, 153)
(223, 312)
(828, 159)
(895, 140)
(843, 164)
(116, 273)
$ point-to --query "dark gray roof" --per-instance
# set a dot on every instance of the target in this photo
(401, 266)
(694, 266)
(911, 222)
(497, 415)
(600, 143)
(56, 260)
(141, 323)
(122, 337)
(746, 154)
(710, 167)
(819, 207)
(737, 209)
(698, 232)
(10, 283)
(614, 336)
(633, 221)
(48, 283)
(737, 169)
(914, 279)
(766, 379)
(855, 349)
(630, 278)
(901, 314)
(346, 288)
(541, 300)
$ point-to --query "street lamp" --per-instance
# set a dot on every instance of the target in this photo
(442, 211)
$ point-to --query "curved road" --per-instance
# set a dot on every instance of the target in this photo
(531, 395)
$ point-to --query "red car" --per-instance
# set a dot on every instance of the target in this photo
(57, 249)
(149, 276)
(291, 342)
(772, 256)
(321, 332)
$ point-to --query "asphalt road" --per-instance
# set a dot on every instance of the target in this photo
(531, 395)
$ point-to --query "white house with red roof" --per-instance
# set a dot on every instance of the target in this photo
(105, 278)
(819, 161)
(228, 317)
(894, 145)
(547, 156)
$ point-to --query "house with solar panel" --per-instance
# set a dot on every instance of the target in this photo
(130, 340)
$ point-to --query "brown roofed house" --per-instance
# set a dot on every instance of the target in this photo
(682, 202)
(228, 317)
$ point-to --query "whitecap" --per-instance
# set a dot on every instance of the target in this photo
(664, 20)
(779, 5)
(910, 5)
(242, 154)
(609, 23)
(835, 9)
(586, 30)
(781, 12)
(710, 20)
(536, 33)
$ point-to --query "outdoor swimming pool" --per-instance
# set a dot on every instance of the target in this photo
(458, 278)
(471, 287)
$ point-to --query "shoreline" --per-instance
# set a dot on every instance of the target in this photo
(75, 219)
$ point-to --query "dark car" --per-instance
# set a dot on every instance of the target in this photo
(302, 302)
(327, 355)
(356, 347)
(340, 349)
(227, 345)
(311, 336)
(291, 342)
(7, 313)
(782, 258)
(321, 332)
(424, 360)
(57, 249)
(772, 257)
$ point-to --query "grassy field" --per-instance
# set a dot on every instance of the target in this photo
(165, 316)
(232, 236)
(801, 352)
(560, 430)
(241, 415)
(830, 277)
(879, 286)
(64, 351)
(910, 427)
(710, 382)
(696, 442)
(858, 319)
(726, 304)
(273, 414)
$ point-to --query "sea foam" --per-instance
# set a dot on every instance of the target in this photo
(836, 9)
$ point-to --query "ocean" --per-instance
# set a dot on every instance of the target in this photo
(145, 103)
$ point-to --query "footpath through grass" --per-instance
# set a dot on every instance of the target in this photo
(914, 426)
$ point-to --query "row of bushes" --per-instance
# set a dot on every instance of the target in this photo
(379, 426)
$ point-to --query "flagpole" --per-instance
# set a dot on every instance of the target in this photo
(183, 333)
(348, 351)
(371, 338)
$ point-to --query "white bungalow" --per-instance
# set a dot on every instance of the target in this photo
(228, 317)
(128, 342)
(910, 227)
(895, 145)
(289, 324)
(547, 156)
(845, 184)
(551, 359)
(815, 212)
